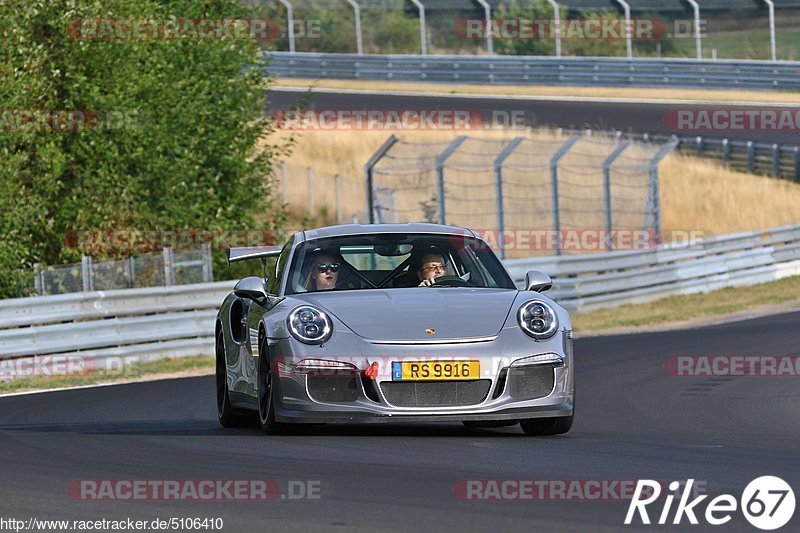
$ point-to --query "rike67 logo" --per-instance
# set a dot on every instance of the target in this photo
(767, 503)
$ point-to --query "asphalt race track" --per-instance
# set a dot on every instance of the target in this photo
(633, 421)
(564, 113)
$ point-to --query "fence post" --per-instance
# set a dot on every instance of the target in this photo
(337, 183)
(310, 185)
(726, 152)
(129, 267)
(607, 188)
(797, 164)
(169, 279)
(498, 177)
(369, 178)
(207, 262)
(290, 23)
(751, 157)
(700, 146)
(655, 201)
(776, 159)
(38, 281)
(441, 159)
(554, 187)
(284, 183)
(86, 271)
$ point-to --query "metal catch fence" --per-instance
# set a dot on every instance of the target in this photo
(519, 185)
(168, 268)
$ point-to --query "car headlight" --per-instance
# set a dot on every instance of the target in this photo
(309, 325)
(537, 319)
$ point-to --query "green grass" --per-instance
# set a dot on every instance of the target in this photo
(131, 372)
(745, 44)
(681, 308)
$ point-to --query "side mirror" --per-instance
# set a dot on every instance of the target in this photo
(537, 281)
(252, 288)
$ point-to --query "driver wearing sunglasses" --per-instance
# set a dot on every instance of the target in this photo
(323, 273)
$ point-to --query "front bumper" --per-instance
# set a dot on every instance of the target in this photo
(368, 403)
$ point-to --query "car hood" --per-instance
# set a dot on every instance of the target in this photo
(408, 314)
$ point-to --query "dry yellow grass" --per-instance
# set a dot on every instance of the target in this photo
(696, 194)
(518, 90)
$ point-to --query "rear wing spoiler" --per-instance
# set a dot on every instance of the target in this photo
(253, 252)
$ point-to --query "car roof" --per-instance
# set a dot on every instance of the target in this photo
(373, 229)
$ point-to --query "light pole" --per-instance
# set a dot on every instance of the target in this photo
(699, 42)
(290, 17)
(628, 27)
(357, 11)
(772, 39)
(487, 9)
(423, 38)
(557, 17)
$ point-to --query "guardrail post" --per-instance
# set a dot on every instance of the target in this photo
(607, 188)
(310, 185)
(337, 185)
(776, 160)
(369, 178)
(554, 187)
(38, 279)
(726, 152)
(701, 144)
(86, 272)
(441, 159)
(130, 272)
(751, 157)
(169, 271)
(207, 262)
(284, 182)
(498, 177)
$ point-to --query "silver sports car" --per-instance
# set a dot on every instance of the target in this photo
(392, 322)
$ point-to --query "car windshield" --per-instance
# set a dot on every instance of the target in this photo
(389, 261)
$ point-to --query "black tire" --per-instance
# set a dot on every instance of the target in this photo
(266, 393)
(229, 417)
(547, 426)
(557, 425)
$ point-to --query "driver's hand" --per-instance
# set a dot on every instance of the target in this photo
(427, 282)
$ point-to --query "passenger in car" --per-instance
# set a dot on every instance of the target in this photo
(323, 272)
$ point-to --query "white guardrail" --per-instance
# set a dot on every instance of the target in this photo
(178, 321)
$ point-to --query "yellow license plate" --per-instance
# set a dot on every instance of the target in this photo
(435, 370)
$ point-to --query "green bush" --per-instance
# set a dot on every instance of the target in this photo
(182, 151)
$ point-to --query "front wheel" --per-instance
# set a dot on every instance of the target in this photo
(546, 426)
(266, 392)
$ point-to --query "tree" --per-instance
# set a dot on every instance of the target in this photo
(160, 133)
